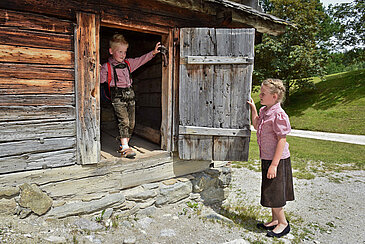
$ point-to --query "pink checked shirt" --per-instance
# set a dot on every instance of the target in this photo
(124, 80)
(273, 122)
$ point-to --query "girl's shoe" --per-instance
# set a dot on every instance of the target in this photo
(263, 226)
(278, 235)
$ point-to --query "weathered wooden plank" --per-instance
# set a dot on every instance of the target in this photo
(217, 60)
(38, 161)
(231, 148)
(208, 131)
(74, 181)
(87, 87)
(195, 147)
(32, 21)
(165, 170)
(213, 106)
(35, 55)
(36, 129)
(234, 80)
(36, 146)
(29, 86)
(11, 113)
(29, 71)
(196, 92)
(223, 81)
(37, 100)
(242, 44)
(26, 38)
(175, 91)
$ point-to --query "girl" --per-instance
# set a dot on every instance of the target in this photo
(272, 126)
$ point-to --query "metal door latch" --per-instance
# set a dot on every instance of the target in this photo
(165, 54)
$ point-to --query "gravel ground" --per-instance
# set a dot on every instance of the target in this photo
(326, 210)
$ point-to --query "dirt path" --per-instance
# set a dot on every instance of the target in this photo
(325, 211)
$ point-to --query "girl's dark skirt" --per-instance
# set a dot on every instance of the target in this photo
(275, 192)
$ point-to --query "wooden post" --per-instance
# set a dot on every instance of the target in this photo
(87, 88)
(167, 94)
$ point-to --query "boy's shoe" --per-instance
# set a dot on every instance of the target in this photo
(128, 153)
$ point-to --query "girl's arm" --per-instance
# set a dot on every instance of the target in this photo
(255, 117)
(271, 173)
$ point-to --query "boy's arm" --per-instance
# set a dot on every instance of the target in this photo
(271, 173)
(255, 117)
(138, 62)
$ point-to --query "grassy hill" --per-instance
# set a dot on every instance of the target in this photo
(337, 104)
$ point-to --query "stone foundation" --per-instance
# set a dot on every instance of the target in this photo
(209, 187)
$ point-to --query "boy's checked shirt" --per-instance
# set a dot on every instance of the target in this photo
(124, 80)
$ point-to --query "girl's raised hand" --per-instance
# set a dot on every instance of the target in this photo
(252, 103)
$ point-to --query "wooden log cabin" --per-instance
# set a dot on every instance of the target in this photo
(191, 110)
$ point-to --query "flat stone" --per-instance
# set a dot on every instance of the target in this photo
(146, 204)
(183, 179)
(9, 191)
(173, 193)
(80, 208)
(8, 206)
(140, 196)
(91, 197)
(151, 186)
(169, 182)
(33, 198)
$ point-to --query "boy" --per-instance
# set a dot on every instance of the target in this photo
(122, 94)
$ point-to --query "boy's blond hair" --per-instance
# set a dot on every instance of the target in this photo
(117, 39)
(275, 86)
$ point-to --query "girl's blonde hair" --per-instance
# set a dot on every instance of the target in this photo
(275, 86)
(117, 39)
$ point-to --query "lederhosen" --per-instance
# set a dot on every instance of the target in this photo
(123, 100)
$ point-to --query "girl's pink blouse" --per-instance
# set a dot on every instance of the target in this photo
(273, 122)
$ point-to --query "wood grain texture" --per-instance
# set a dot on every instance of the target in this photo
(213, 95)
(30, 55)
(19, 113)
(31, 21)
(87, 88)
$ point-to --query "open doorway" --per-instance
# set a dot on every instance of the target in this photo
(147, 79)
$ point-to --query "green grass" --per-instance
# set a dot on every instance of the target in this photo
(336, 104)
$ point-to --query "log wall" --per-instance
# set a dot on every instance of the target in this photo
(37, 93)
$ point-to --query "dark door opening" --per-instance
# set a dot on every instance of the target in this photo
(147, 85)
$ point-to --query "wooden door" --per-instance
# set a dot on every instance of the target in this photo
(215, 83)
(87, 88)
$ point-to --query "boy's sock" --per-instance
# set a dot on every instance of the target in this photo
(124, 146)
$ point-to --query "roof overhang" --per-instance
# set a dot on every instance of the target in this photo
(238, 14)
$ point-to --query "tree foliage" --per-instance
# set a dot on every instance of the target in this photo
(293, 56)
(350, 19)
